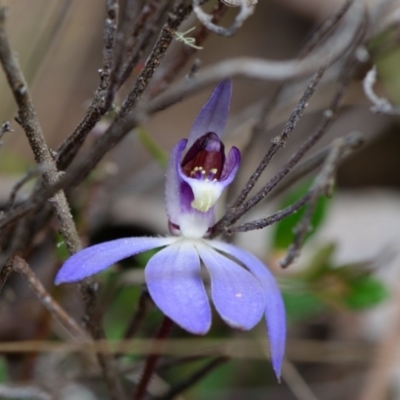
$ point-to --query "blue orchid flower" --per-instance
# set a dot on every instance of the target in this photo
(242, 288)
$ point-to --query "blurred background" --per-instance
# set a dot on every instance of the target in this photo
(342, 295)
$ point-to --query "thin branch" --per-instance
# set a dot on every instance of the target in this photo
(194, 378)
(296, 383)
(233, 214)
(89, 289)
(5, 273)
(120, 128)
(272, 219)
(102, 100)
(310, 351)
(169, 362)
(261, 69)
(350, 143)
(260, 126)
(354, 141)
(380, 104)
(246, 10)
(143, 308)
(127, 36)
(56, 311)
(176, 17)
(5, 127)
(322, 185)
(27, 118)
(160, 83)
(76, 173)
(280, 141)
(110, 29)
(32, 173)
(142, 35)
(153, 357)
(325, 29)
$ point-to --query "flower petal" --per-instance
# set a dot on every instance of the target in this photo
(96, 258)
(175, 285)
(207, 192)
(214, 114)
(173, 183)
(231, 166)
(275, 309)
(237, 295)
(178, 199)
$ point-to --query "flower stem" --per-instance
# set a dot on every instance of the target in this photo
(152, 358)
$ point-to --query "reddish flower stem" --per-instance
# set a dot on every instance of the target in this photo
(152, 358)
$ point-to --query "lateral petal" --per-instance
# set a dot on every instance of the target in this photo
(96, 258)
(237, 295)
(214, 114)
(175, 285)
(275, 309)
(174, 195)
(231, 166)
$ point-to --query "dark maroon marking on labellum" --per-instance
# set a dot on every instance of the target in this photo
(207, 153)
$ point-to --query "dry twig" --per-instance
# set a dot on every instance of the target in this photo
(354, 140)
(153, 357)
(194, 378)
(280, 141)
(246, 10)
(253, 68)
(5, 273)
(102, 100)
(56, 311)
(5, 127)
(177, 16)
(380, 104)
(322, 185)
(27, 118)
(32, 173)
(296, 383)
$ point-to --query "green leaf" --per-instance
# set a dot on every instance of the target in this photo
(283, 235)
(143, 258)
(321, 263)
(61, 249)
(365, 292)
(3, 370)
(300, 306)
(121, 310)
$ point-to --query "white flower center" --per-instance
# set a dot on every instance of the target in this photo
(193, 226)
(206, 193)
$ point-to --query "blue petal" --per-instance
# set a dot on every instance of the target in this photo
(96, 258)
(175, 285)
(173, 184)
(231, 166)
(214, 114)
(237, 295)
(275, 309)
